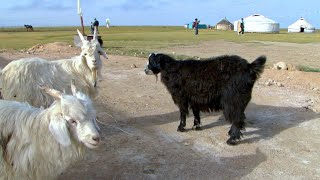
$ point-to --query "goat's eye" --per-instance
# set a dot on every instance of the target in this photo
(85, 54)
(73, 122)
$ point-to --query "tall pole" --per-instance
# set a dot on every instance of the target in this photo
(81, 18)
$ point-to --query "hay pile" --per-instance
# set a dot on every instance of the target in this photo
(52, 47)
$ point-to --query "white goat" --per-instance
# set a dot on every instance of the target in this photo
(19, 78)
(41, 143)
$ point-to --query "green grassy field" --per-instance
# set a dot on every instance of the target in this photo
(127, 39)
(139, 40)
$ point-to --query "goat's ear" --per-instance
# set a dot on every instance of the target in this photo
(59, 130)
(73, 87)
(52, 92)
(103, 53)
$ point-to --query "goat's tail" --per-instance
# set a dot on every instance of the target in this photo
(257, 66)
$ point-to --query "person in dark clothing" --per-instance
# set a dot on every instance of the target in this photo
(242, 26)
(96, 24)
(91, 28)
(196, 26)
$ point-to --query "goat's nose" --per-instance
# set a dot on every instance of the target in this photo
(96, 138)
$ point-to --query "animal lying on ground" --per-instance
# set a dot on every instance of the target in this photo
(19, 79)
(40, 143)
(218, 83)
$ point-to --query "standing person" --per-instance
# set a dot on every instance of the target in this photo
(196, 26)
(241, 26)
(91, 28)
(96, 24)
(108, 23)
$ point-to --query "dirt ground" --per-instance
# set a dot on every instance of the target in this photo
(281, 139)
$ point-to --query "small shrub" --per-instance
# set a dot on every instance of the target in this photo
(307, 69)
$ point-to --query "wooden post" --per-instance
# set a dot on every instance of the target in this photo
(82, 25)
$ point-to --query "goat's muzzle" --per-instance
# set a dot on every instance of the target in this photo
(148, 71)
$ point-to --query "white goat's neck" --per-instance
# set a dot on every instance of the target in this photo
(80, 72)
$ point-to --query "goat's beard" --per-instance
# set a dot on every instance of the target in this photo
(94, 72)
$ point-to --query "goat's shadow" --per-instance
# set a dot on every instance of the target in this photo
(267, 121)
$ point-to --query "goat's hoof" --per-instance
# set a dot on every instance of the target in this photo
(235, 135)
(197, 128)
(231, 142)
(181, 129)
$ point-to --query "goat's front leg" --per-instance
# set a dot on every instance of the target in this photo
(182, 124)
(236, 127)
(196, 122)
(236, 117)
(235, 134)
(183, 107)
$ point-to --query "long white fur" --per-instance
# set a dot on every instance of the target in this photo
(19, 79)
(40, 143)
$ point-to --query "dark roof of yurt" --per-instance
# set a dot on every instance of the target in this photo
(224, 21)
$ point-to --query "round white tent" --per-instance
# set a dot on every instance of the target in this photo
(258, 23)
(301, 25)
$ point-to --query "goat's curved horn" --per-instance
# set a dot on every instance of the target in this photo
(52, 92)
(80, 35)
(73, 87)
(95, 34)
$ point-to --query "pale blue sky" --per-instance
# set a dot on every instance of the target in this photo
(153, 12)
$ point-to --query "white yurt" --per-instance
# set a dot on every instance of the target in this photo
(258, 23)
(301, 25)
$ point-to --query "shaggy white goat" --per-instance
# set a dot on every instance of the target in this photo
(20, 77)
(41, 143)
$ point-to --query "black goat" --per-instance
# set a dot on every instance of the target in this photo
(28, 27)
(219, 83)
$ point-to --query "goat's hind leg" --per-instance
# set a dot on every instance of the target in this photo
(196, 122)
